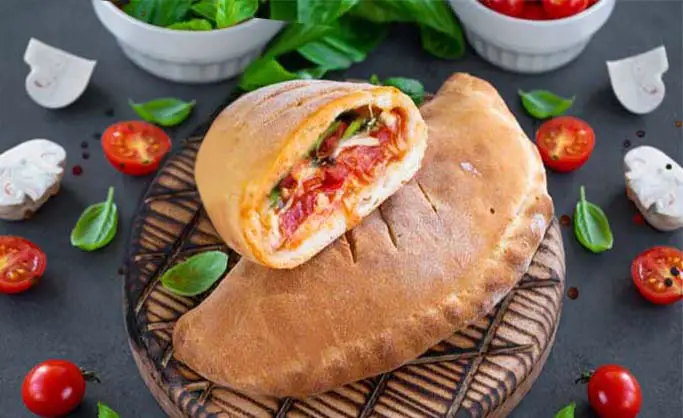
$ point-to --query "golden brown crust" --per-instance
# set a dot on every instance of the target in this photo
(436, 256)
(256, 141)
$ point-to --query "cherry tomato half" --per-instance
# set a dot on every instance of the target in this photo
(53, 388)
(135, 148)
(534, 11)
(559, 9)
(22, 264)
(514, 8)
(613, 392)
(658, 275)
(565, 143)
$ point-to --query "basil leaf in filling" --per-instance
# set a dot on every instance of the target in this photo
(353, 128)
(274, 197)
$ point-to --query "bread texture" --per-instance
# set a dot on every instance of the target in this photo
(436, 256)
(259, 138)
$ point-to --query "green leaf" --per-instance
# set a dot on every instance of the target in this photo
(591, 226)
(285, 10)
(442, 45)
(294, 36)
(354, 127)
(322, 11)
(205, 9)
(197, 274)
(374, 79)
(231, 12)
(409, 86)
(103, 411)
(97, 225)
(192, 25)
(378, 12)
(159, 12)
(263, 72)
(166, 112)
(349, 42)
(543, 104)
(567, 411)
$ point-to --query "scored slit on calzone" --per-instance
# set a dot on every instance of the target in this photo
(286, 170)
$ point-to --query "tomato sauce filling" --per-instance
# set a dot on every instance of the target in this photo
(350, 155)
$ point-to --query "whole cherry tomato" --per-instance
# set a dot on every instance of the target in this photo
(534, 11)
(559, 9)
(514, 8)
(613, 392)
(54, 388)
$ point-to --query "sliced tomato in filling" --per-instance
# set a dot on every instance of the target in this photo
(326, 174)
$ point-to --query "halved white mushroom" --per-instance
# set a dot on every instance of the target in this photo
(654, 182)
(30, 174)
(57, 78)
(637, 80)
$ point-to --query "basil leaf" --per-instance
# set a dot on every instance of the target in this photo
(165, 112)
(543, 104)
(196, 274)
(263, 72)
(322, 12)
(294, 36)
(285, 10)
(231, 12)
(103, 411)
(442, 45)
(413, 88)
(205, 9)
(591, 226)
(329, 131)
(158, 12)
(193, 25)
(349, 42)
(567, 411)
(274, 196)
(353, 128)
(97, 225)
(374, 79)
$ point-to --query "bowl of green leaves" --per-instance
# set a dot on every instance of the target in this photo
(191, 41)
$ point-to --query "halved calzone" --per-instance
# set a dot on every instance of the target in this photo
(286, 170)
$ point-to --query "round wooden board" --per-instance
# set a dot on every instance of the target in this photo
(482, 371)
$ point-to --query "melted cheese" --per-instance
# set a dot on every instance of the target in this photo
(361, 140)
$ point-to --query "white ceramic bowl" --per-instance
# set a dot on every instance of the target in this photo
(529, 46)
(185, 56)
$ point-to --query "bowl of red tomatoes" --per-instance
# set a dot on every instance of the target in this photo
(531, 36)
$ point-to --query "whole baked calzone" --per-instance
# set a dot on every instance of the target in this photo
(287, 169)
(436, 256)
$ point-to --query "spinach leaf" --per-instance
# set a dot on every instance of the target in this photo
(97, 225)
(158, 12)
(103, 411)
(413, 88)
(543, 104)
(231, 12)
(165, 112)
(285, 10)
(205, 9)
(442, 45)
(196, 274)
(378, 12)
(263, 72)
(193, 25)
(567, 411)
(591, 226)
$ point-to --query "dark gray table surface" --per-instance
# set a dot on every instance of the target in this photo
(76, 311)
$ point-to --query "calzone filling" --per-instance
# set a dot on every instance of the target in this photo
(352, 153)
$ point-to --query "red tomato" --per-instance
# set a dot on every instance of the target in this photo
(657, 273)
(514, 8)
(565, 143)
(534, 11)
(53, 388)
(559, 9)
(135, 148)
(22, 264)
(613, 392)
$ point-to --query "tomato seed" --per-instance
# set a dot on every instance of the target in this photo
(77, 170)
